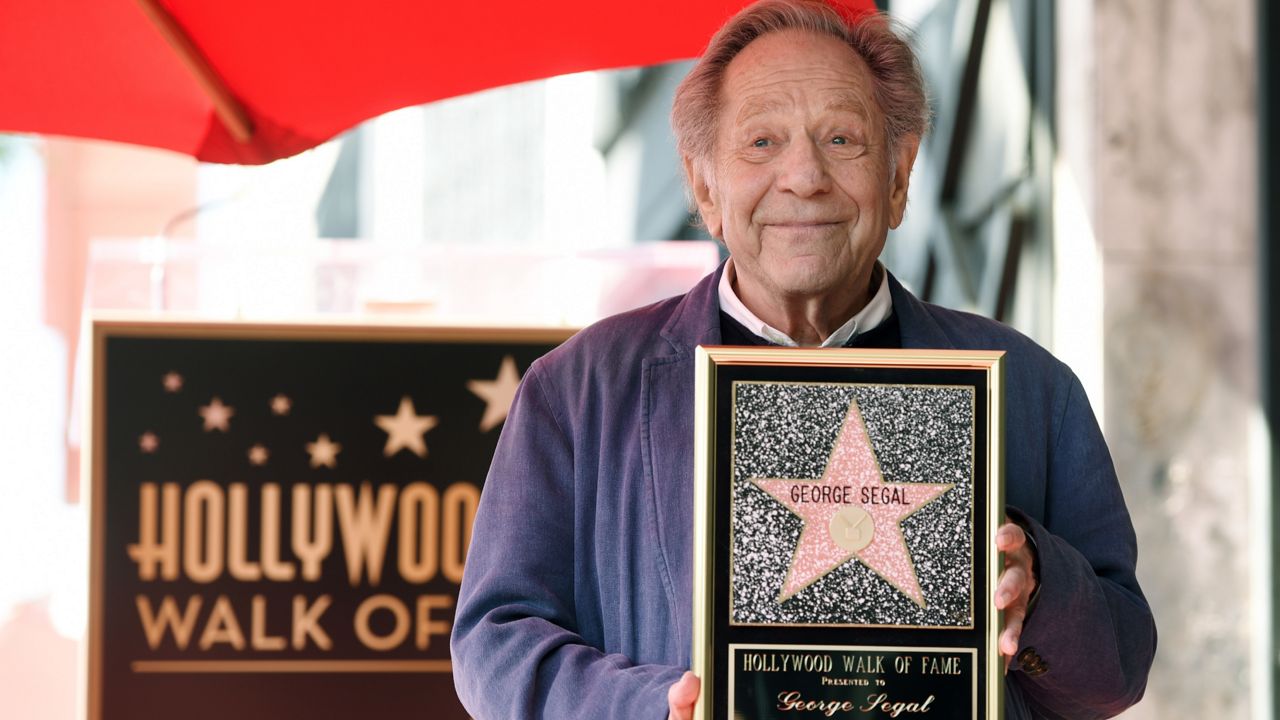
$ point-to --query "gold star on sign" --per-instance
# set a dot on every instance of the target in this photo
(148, 442)
(258, 455)
(324, 452)
(216, 415)
(405, 429)
(497, 394)
(281, 404)
(172, 382)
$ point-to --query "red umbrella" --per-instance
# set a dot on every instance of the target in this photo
(250, 81)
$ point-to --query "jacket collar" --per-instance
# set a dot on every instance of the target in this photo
(696, 320)
(915, 320)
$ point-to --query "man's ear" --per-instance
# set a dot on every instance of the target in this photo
(907, 148)
(704, 198)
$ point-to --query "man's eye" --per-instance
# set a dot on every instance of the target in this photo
(839, 140)
(760, 142)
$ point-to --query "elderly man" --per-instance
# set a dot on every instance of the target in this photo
(798, 130)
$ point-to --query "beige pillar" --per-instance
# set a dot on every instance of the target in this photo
(1169, 149)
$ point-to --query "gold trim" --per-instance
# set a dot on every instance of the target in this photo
(206, 667)
(853, 357)
(703, 527)
(92, 468)
(995, 517)
(367, 329)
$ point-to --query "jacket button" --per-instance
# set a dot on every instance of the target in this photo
(1031, 662)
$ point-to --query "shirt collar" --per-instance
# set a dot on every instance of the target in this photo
(875, 312)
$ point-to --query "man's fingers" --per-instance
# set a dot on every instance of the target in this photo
(1012, 632)
(685, 691)
(682, 696)
(1015, 587)
(1012, 586)
(1016, 581)
(1010, 537)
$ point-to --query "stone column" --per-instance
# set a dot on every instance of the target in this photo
(1174, 213)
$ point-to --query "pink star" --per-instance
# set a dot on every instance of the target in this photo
(217, 416)
(851, 512)
(281, 404)
(324, 452)
(172, 382)
(258, 455)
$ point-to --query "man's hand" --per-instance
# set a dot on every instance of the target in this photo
(682, 696)
(1017, 583)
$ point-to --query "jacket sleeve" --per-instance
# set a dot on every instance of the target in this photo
(1091, 628)
(516, 649)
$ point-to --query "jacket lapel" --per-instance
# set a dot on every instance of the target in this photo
(919, 329)
(667, 440)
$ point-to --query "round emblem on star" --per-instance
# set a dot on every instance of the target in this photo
(852, 528)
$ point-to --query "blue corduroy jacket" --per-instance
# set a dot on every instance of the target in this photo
(577, 596)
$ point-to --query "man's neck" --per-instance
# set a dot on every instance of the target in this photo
(810, 320)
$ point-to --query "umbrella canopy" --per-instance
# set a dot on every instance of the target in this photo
(250, 81)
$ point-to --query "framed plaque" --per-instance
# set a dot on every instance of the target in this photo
(845, 511)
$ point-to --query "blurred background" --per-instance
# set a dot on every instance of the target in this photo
(1098, 175)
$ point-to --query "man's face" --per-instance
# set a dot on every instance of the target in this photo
(800, 187)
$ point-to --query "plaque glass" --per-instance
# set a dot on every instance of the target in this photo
(845, 509)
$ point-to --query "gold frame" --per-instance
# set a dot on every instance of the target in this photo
(101, 326)
(708, 359)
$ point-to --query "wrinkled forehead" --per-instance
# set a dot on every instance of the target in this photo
(794, 70)
(834, 100)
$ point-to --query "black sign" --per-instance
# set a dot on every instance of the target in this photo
(281, 514)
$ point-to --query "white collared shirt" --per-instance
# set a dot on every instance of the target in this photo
(876, 310)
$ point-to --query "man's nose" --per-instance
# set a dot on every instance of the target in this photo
(804, 169)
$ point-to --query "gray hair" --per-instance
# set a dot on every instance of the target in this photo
(899, 84)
